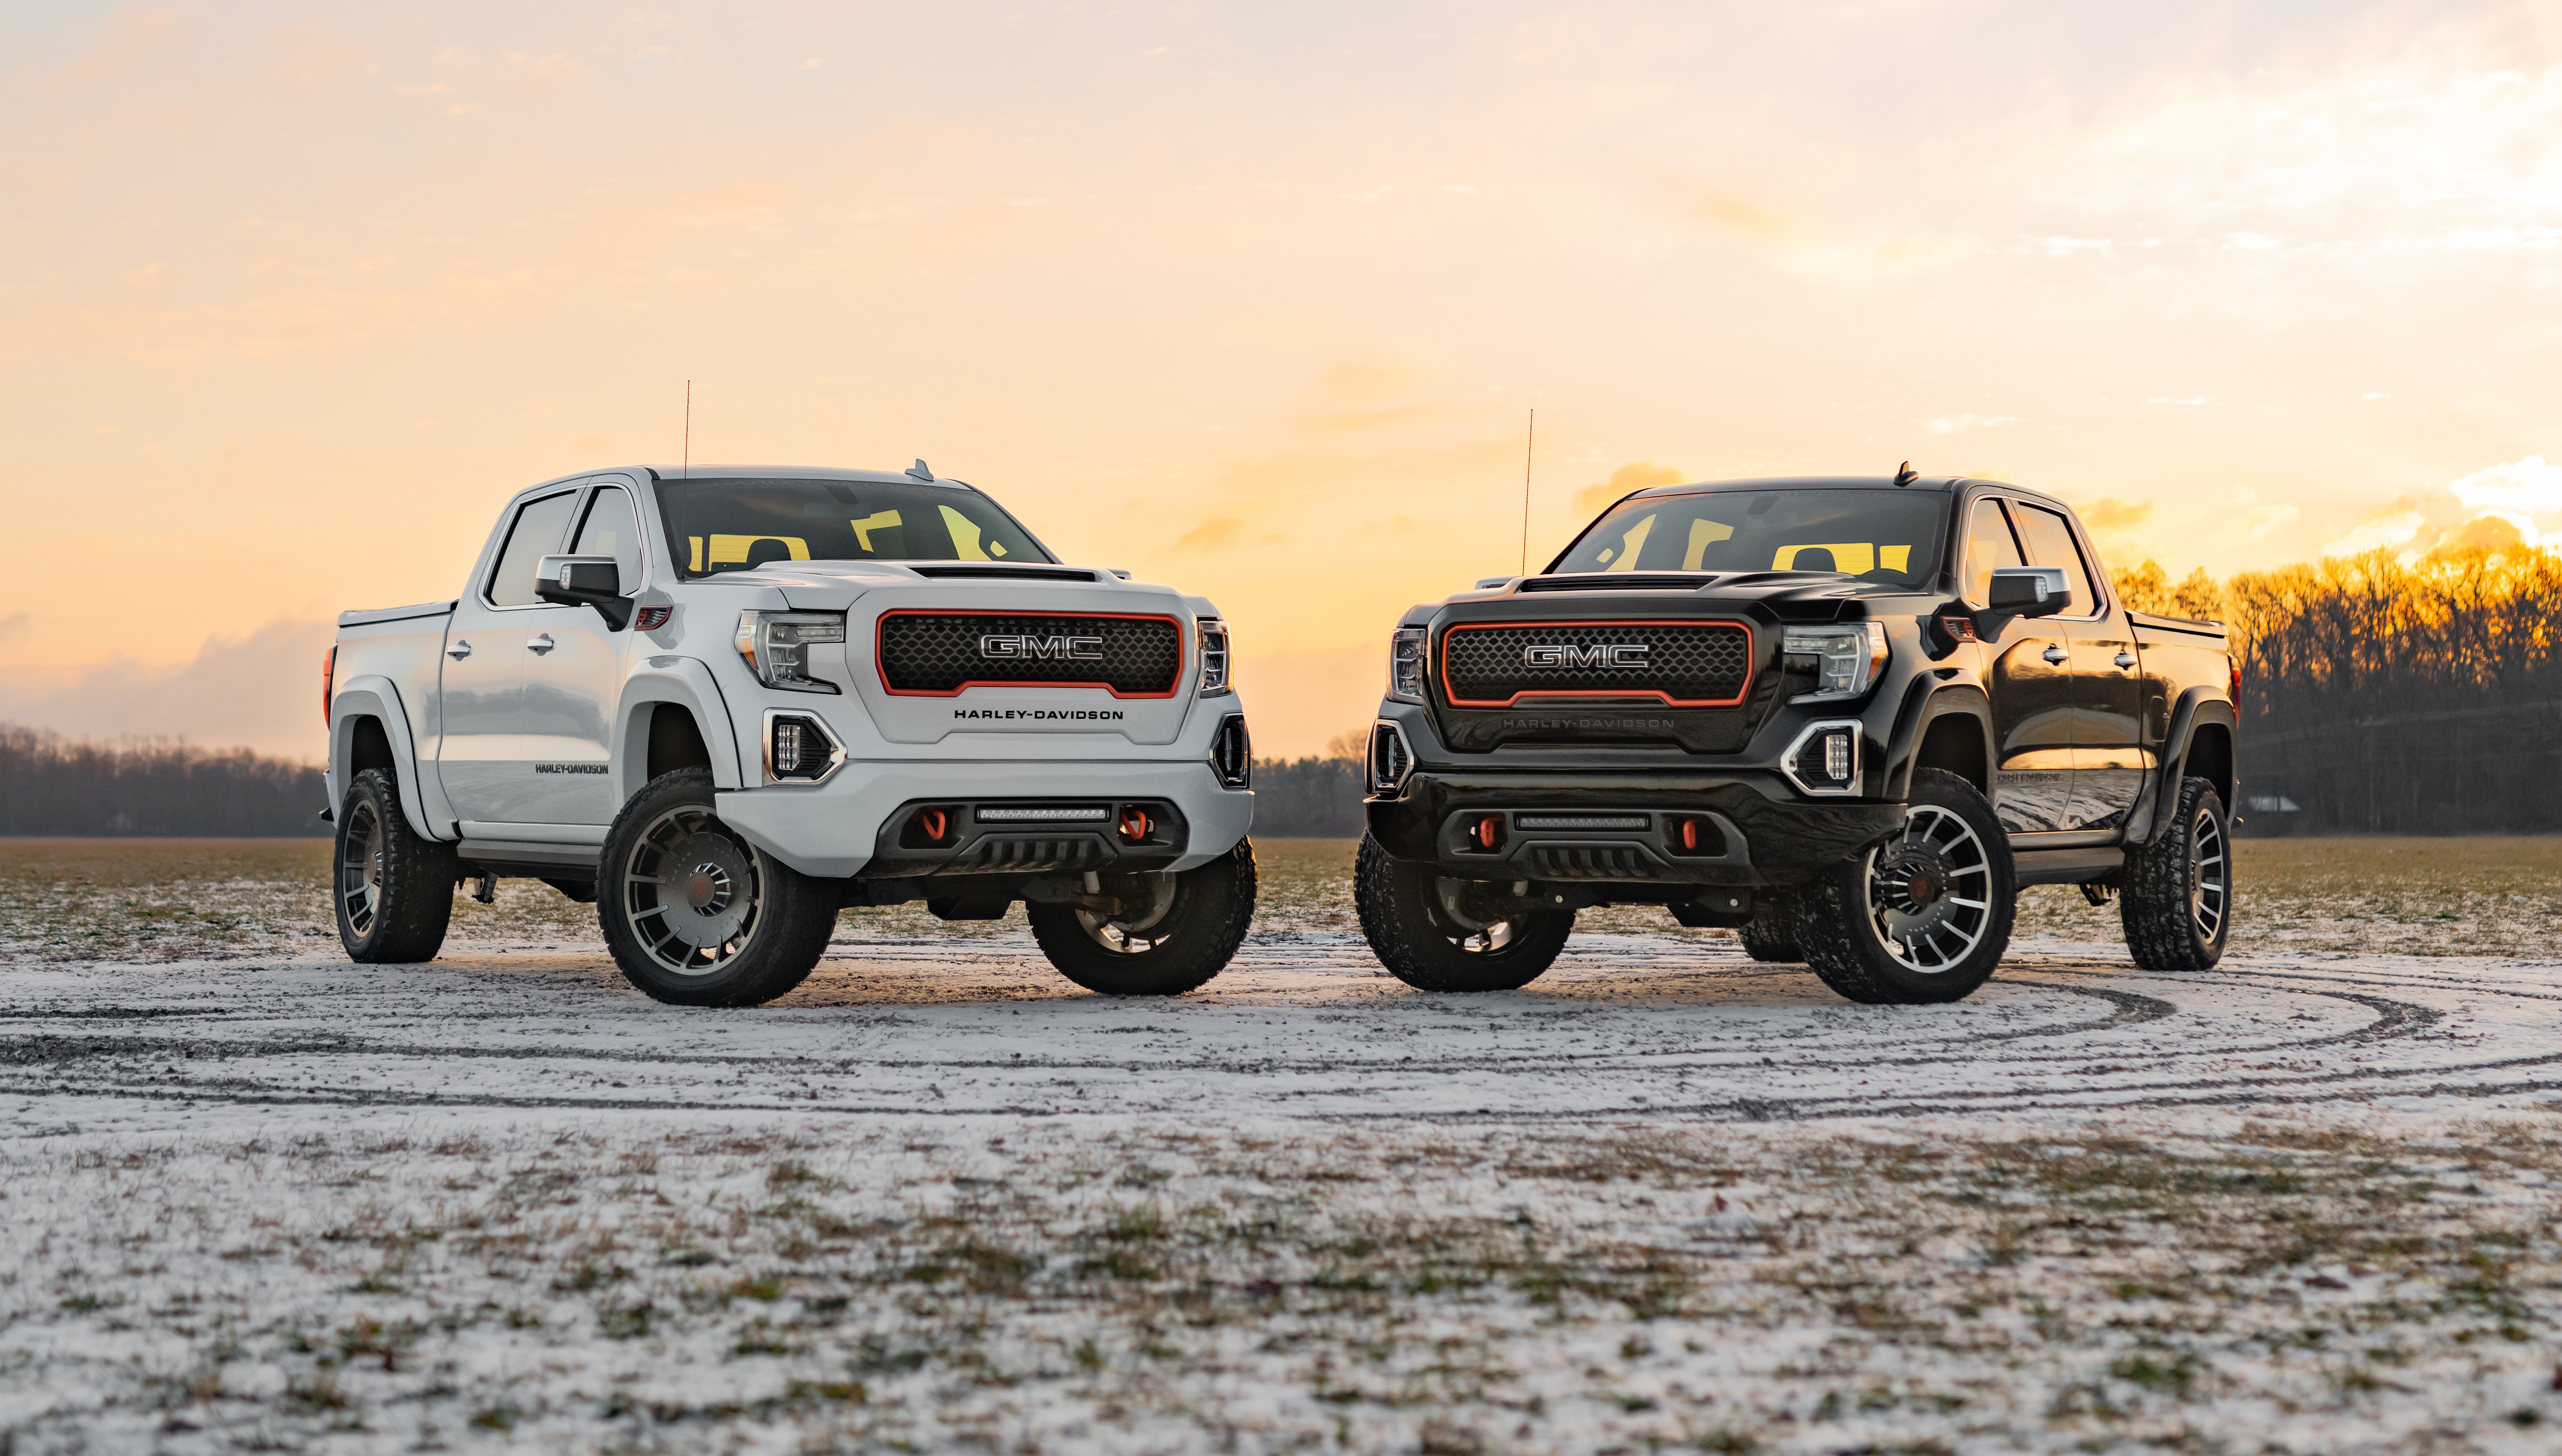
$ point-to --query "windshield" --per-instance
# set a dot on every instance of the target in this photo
(1875, 535)
(717, 526)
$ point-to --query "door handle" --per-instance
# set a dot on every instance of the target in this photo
(2125, 659)
(542, 642)
(2057, 656)
(458, 651)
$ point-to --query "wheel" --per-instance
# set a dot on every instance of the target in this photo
(1420, 927)
(694, 914)
(1771, 933)
(395, 890)
(1185, 933)
(2177, 901)
(1923, 916)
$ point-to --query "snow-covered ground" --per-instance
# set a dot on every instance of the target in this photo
(939, 1200)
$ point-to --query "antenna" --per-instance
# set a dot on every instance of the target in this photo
(1527, 443)
(1904, 474)
(685, 469)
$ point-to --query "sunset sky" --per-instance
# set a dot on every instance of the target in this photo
(1251, 300)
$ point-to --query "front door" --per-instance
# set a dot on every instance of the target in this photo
(2109, 759)
(480, 757)
(2032, 690)
(573, 682)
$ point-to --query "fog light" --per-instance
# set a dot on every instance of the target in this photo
(799, 749)
(787, 748)
(1837, 756)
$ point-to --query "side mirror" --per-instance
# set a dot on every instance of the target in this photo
(585, 581)
(2028, 591)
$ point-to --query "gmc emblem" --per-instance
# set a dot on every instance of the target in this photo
(1598, 654)
(1018, 647)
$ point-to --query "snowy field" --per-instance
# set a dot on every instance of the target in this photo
(256, 1198)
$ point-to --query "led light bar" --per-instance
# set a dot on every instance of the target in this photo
(1042, 816)
(1579, 821)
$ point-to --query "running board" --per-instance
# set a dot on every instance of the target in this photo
(524, 859)
(2068, 866)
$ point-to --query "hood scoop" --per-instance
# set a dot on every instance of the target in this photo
(1619, 581)
(1007, 573)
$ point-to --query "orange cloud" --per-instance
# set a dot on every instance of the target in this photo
(1592, 500)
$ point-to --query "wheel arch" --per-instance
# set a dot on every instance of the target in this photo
(672, 716)
(2201, 742)
(1951, 729)
(369, 729)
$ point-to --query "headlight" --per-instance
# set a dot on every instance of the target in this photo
(1213, 657)
(1847, 658)
(1405, 655)
(776, 645)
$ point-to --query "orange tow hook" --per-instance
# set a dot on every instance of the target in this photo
(1134, 826)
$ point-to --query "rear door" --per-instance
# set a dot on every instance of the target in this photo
(2109, 759)
(481, 760)
(2032, 689)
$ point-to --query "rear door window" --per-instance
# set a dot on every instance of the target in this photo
(536, 533)
(2049, 539)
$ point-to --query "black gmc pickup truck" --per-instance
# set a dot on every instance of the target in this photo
(1847, 717)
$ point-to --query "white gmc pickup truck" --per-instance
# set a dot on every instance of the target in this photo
(725, 702)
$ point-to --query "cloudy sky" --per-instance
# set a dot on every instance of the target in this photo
(1252, 300)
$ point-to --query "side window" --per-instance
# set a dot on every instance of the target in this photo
(2049, 538)
(536, 534)
(1988, 545)
(613, 530)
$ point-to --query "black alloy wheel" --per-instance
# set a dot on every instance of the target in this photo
(1172, 933)
(697, 916)
(1923, 916)
(394, 888)
(1420, 925)
(2177, 900)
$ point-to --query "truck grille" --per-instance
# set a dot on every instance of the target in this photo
(939, 654)
(1683, 664)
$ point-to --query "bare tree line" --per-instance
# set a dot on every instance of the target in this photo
(52, 785)
(2389, 695)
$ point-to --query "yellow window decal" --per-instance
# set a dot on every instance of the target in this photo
(878, 521)
(1629, 546)
(1704, 534)
(732, 550)
(965, 535)
(1895, 558)
(1854, 557)
(697, 543)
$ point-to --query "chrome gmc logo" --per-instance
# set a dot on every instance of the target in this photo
(1021, 646)
(1599, 654)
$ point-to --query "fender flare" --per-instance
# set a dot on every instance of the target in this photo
(1925, 703)
(2197, 707)
(685, 683)
(378, 697)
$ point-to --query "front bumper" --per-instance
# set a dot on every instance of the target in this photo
(1625, 829)
(835, 829)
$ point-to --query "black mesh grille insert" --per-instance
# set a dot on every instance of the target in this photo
(1592, 862)
(942, 651)
(1694, 663)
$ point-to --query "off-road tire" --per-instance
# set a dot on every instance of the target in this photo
(1771, 933)
(2179, 881)
(1410, 933)
(786, 916)
(1838, 918)
(1192, 942)
(405, 897)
